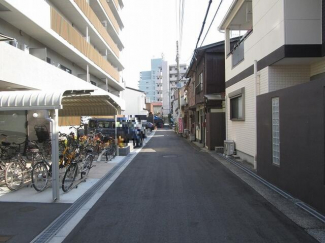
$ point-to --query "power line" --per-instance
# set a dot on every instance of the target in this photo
(206, 14)
(211, 22)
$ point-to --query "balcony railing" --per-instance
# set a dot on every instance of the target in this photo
(90, 14)
(238, 51)
(117, 4)
(71, 35)
(110, 14)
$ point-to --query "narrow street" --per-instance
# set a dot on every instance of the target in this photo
(173, 192)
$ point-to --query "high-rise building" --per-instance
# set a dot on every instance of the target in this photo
(79, 37)
(155, 84)
(174, 83)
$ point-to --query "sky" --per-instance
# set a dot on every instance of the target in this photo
(151, 29)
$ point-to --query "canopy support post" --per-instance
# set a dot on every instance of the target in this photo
(55, 154)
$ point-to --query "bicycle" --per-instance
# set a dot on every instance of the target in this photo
(17, 171)
(77, 166)
(110, 150)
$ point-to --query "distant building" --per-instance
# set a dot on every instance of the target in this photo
(155, 84)
(135, 102)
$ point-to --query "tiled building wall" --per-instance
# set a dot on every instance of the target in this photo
(243, 132)
(264, 80)
(281, 77)
(317, 68)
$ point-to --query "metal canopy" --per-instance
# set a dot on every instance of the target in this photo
(69, 102)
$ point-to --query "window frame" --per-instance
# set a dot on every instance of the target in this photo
(278, 131)
(234, 95)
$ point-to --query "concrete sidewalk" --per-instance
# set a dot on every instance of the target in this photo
(25, 213)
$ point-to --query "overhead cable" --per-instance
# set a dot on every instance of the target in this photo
(203, 24)
(211, 22)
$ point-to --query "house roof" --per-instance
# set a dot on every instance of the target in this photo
(199, 53)
(231, 8)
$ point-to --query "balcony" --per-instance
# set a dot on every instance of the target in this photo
(39, 23)
(173, 71)
(90, 14)
(159, 88)
(71, 35)
(110, 15)
(115, 5)
(83, 18)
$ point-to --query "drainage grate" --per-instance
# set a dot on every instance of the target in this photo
(274, 188)
(282, 193)
(56, 225)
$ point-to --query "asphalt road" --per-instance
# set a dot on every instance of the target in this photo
(21, 222)
(172, 192)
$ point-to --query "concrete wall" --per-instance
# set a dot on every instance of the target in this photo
(301, 170)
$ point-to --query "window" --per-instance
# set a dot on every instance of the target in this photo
(199, 86)
(237, 105)
(275, 131)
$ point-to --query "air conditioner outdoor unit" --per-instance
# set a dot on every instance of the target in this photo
(229, 147)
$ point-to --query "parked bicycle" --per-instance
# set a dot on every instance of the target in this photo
(77, 166)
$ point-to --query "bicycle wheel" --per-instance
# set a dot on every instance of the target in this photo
(47, 150)
(40, 176)
(14, 175)
(69, 177)
(88, 162)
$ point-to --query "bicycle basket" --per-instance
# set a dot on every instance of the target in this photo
(41, 133)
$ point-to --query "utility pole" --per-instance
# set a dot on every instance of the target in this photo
(178, 77)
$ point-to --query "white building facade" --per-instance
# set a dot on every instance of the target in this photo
(135, 102)
(281, 48)
(61, 44)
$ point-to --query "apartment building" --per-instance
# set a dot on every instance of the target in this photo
(155, 84)
(78, 37)
(275, 79)
(59, 60)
